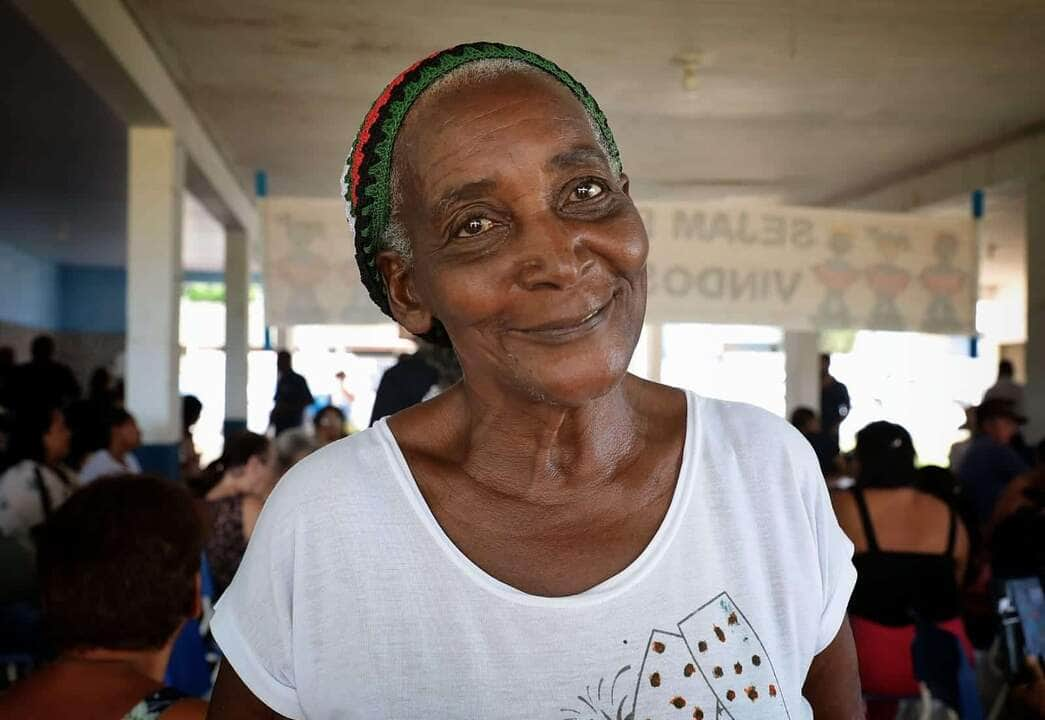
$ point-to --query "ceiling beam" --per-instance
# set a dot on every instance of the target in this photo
(1020, 157)
(103, 43)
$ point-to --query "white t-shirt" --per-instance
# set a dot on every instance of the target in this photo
(351, 602)
(101, 464)
(21, 499)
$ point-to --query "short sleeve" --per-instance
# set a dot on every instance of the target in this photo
(20, 505)
(835, 555)
(253, 619)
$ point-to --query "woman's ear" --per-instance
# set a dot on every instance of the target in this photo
(625, 184)
(407, 307)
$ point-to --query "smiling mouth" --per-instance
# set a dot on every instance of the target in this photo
(573, 327)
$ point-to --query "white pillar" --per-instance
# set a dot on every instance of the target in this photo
(802, 370)
(237, 289)
(1035, 390)
(654, 350)
(155, 178)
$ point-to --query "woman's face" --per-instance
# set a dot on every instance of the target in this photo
(526, 246)
(329, 427)
(258, 476)
(56, 439)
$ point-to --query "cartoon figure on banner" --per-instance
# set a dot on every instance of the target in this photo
(301, 269)
(887, 279)
(945, 282)
(715, 667)
(837, 275)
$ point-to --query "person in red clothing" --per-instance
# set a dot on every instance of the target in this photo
(911, 549)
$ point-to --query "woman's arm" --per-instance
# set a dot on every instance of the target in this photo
(250, 509)
(232, 700)
(833, 684)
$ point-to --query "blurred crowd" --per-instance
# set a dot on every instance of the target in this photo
(934, 549)
(107, 575)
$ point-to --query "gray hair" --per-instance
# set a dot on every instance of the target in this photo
(396, 237)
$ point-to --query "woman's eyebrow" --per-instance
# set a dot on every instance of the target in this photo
(463, 193)
(580, 156)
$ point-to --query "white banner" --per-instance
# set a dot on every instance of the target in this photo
(798, 268)
(311, 277)
(810, 269)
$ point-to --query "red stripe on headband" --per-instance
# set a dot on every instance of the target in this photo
(371, 118)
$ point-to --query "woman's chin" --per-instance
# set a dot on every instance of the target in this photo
(575, 384)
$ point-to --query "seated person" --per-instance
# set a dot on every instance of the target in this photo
(824, 445)
(1025, 491)
(188, 457)
(242, 480)
(329, 425)
(116, 458)
(1017, 529)
(990, 463)
(39, 482)
(292, 447)
(911, 549)
(119, 573)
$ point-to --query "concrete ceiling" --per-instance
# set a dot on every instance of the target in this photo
(799, 101)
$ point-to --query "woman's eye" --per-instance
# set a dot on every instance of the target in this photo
(586, 191)
(474, 226)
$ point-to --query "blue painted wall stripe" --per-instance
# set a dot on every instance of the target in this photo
(92, 299)
(28, 289)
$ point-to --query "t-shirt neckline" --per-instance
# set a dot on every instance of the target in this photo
(608, 589)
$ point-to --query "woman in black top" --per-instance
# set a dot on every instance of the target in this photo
(911, 549)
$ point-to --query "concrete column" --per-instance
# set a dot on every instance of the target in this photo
(155, 178)
(1035, 390)
(654, 350)
(802, 370)
(237, 289)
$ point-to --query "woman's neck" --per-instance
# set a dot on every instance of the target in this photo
(118, 452)
(150, 663)
(226, 487)
(527, 447)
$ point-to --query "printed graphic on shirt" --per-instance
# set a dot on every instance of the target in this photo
(669, 681)
(733, 661)
(714, 668)
(603, 704)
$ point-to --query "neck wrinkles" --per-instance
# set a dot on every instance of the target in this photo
(528, 448)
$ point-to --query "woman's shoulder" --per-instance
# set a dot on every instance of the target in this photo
(347, 468)
(906, 495)
(16, 478)
(19, 469)
(748, 429)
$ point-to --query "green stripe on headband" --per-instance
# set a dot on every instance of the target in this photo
(368, 173)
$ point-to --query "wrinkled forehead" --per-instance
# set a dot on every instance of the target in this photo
(487, 112)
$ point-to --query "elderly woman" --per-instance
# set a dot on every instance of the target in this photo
(551, 537)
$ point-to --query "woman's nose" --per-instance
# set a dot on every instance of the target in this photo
(554, 254)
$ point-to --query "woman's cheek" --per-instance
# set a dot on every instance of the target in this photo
(469, 293)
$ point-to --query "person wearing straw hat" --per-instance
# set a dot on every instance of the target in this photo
(990, 463)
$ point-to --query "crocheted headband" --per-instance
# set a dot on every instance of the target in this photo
(366, 182)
